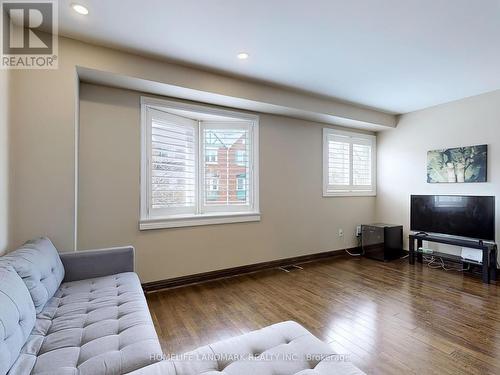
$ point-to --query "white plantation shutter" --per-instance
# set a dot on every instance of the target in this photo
(233, 144)
(172, 163)
(199, 165)
(339, 161)
(349, 163)
(361, 164)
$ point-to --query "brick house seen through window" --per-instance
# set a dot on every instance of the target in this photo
(226, 166)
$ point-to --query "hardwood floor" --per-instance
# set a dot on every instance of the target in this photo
(391, 317)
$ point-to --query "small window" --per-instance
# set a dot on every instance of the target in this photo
(241, 183)
(349, 163)
(240, 157)
(211, 155)
(213, 184)
(199, 165)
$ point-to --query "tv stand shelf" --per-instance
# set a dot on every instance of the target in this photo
(488, 263)
(449, 257)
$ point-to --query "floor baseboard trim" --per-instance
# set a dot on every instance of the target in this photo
(235, 271)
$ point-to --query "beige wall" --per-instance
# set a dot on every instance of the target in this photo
(43, 109)
(296, 219)
(4, 161)
(402, 153)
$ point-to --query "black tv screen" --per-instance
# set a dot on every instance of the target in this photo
(456, 215)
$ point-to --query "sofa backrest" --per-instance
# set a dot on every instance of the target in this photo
(17, 316)
(39, 265)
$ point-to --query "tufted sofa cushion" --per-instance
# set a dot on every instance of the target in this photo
(281, 349)
(93, 326)
(17, 316)
(39, 265)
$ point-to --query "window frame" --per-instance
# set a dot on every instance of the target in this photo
(200, 217)
(349, 190)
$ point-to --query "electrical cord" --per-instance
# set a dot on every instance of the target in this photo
(351, 254)
(348, 252)
(438, 262)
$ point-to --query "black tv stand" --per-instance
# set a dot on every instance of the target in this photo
(488, 264)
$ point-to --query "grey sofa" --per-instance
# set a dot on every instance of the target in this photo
(281, 349)
(77, 313)
(84, 313)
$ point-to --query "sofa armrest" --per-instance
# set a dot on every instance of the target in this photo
(87, 264)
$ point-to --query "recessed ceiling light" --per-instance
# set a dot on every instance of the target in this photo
(80, 9)
(242, 55)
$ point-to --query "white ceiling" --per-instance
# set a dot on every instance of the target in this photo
(394, 55)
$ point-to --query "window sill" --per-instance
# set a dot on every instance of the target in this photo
(329, 194)
(192, 221)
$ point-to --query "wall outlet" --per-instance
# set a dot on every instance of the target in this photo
(341, 232)
(358, 231)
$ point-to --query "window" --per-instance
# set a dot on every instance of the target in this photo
(349, 163)
(211, 155)
(241, 187)
(199, 165)
(241, 182)
(240, 157)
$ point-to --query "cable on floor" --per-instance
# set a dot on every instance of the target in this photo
(438, 262)
(348, 252)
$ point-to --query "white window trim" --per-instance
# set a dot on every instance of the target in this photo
(350, 191)
(147, 222)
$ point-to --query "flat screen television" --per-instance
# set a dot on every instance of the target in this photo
(455, 215)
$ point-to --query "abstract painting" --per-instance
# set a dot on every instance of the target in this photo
(460, 164)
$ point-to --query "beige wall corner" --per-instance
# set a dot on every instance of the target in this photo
(402, 154)
(43, 128)
(4, 161)
(42, 141)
